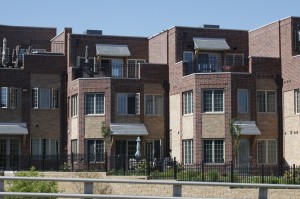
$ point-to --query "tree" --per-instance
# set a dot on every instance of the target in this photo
(235, 133)
(31, 186)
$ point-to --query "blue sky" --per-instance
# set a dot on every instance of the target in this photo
(144, 18)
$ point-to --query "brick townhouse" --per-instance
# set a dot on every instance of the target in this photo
(32, 87)
(281, 40)
(174, 93)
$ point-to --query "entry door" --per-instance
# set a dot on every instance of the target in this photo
(9, 151)
(244, 153)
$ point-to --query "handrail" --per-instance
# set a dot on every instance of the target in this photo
(177, 185)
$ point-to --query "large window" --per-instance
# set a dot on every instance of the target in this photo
(153, 104)
(209, 62)
(45, 98)
(297, 101)
(213, 151)
(188, 102)
(267, 151)
(117, 67)
(95, 150)
(243, 100)
(74, 147)
(266, 101)
(133, 68)
(8, 97)
(128, 103)
(74, 105)
(188, 151)
(213, 101)
(153, 149)
(234, 59)
(44, 146)
(94, 103)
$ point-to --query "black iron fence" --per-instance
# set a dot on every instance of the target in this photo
(166, 168)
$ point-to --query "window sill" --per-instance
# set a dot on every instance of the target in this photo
(187, 115)
(94, 115)
(213, 113)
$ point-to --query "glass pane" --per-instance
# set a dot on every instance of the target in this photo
(149, 104)
(261, 106)
(261, 151)
(272, 151)
(99, 150)
(131, 148)
(271, 101)
(2, 146)
(207, 101)
(34, 100)
(13, 97)
(158, 104)
(55, 98)
(208, 151)
(243, 101)
(131, 104)
(297, 96)
(117, 67)
(203, 63)
(35, 147)
(122, 103)
(99, 103)
(188, 103)
(89, 104)
(218, 100)
(44, 98)
(219, 151)
(4, 96)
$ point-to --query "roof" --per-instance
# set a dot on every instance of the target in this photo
(210, 43)
(128, 129)
(248, 127)
(113, 50)
(13, 129)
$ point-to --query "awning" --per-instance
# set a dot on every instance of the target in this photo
(219, 44)
(248, 127)
(112, 50)
(13, 129)
(128, 129)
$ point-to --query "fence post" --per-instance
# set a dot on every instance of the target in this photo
(231, 171)
(106, 162)
(294, 174)
(124, 165)
(202, 170)
(262, 174)
(57, 169)
(148, 165)
(43, 159)
(175, 168)
(72, 161)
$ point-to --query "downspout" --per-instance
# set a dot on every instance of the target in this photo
(166, 86)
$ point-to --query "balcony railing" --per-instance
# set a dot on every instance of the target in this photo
(115, 71)
(215, 65)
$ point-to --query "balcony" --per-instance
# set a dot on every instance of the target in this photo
(215, 65)
(110, 70)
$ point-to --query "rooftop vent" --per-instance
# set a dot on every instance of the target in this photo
(211, 26)
(93, 32)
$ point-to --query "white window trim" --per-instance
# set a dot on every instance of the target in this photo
(91, 114)
(74, 106)
(37, 105)
(296, 91)
(213, 105)
(276, 152)
(247, 104)
(266, 105)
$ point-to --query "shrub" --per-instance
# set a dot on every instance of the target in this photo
(31, 186)
(213, 175)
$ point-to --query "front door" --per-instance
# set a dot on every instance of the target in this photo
(244, 153)
(9, 151)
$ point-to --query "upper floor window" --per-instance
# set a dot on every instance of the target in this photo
(8, 97)
(74, 105)
(188, 102)
(45, 98)
(128, 103)
(234, 59)
(133, 69)
(297, 100)
(213, 101)
(153, 104)
(243, 100)
(188, 56)
(266, 101)
(209, 62)
(94, 103)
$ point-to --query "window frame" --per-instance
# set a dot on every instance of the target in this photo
(133, 72)
(41, 101)
(297, 101)
(213, 101)
(154, 111)
(126, 96)
(213, 150)
(87, 150)
(234, 59)
(247, 100)
(188, 103)
(266, 150)
(266, 102)
(184, 57)
(10, 100)
(42, 144)
(94, 98)
(188, 151)
(74, 105)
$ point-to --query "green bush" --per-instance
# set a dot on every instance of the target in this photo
(213, 175)
(31, 186)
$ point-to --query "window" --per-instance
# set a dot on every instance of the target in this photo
(188, 151)
(95, 150)
(74, 148)
(297, 101)
(94, 103)
(128, 103)
(188, 56)
(74, 105)
(153, 104)
(117, 67)
(214, 151)
(234, 60)
(8, 97)
(188, 102)
(266, 101)
(45, 98)
(213, 101)
(44, 146)
(133, 67)
(267, 151)
(243, 100)
(209, 62)
(153, 149)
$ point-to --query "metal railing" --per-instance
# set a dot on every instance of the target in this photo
(176, 187)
